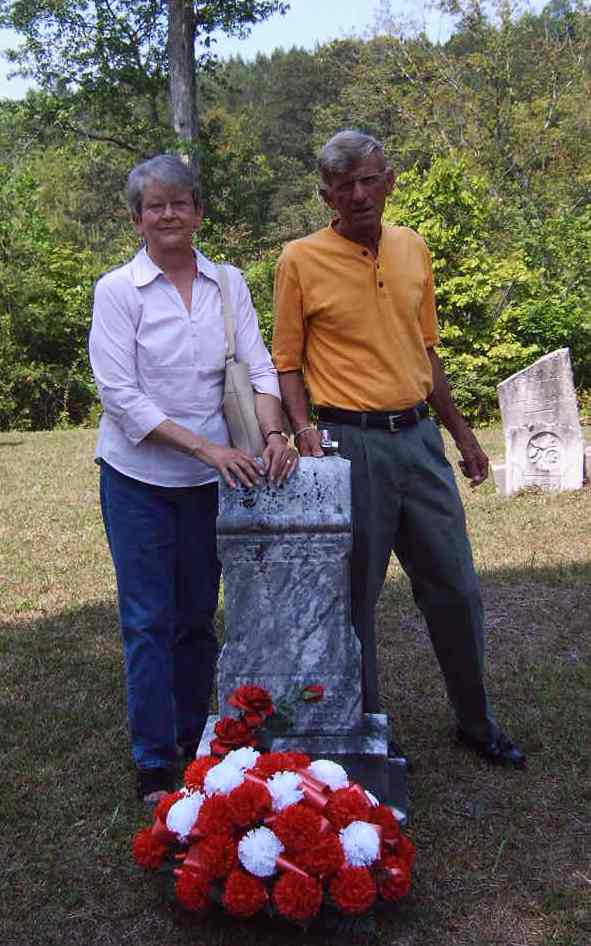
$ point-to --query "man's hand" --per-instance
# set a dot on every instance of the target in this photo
(474, 462)
(308, 443)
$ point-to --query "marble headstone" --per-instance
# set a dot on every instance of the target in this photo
(285, 555)
(543, 438)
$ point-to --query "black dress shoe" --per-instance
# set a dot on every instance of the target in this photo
(498, 750)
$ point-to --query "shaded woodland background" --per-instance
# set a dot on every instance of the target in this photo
(489, 134)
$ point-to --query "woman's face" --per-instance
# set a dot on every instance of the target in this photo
(168, 218)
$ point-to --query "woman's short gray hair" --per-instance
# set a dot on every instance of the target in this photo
(344, 150)
(166, 168)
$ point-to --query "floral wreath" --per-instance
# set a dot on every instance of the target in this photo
(274, 831)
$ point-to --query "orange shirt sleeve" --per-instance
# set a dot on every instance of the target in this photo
(428, 312)
(288, 328)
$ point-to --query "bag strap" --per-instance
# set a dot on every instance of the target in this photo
(227, 312)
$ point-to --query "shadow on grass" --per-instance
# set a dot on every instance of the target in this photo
(484, 836)
(11, 443)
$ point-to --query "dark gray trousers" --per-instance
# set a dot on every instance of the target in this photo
(405, 500)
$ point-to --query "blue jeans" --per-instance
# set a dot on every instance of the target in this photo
(163, 545)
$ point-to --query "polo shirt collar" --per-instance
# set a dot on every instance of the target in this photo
(144, 270)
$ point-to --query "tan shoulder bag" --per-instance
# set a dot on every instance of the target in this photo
(239, 395)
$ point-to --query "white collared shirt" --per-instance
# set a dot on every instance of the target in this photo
(154, 361)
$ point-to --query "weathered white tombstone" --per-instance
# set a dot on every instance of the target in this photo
(285, 557)
(543, 438)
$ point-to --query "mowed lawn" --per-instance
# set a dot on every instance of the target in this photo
(504, 857)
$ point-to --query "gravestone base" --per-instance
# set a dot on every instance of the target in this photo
(363, 754)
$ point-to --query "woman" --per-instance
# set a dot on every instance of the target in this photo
(157, 351)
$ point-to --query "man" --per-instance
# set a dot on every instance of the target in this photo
(355, 325)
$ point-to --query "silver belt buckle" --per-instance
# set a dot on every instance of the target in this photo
(392, 418)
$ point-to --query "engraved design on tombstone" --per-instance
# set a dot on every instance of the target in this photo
(544, 451)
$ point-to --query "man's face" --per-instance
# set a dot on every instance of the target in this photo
(359, 196)
(168, 219)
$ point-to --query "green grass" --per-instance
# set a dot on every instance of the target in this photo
(504, 858)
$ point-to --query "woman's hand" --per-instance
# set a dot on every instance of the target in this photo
(279, 459)
(233, 465)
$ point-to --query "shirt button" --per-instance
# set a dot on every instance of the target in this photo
(364, 253)
(381, 285)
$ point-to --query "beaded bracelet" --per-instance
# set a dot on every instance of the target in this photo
(302, 430)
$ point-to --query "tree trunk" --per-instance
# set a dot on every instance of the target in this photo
(182, 84)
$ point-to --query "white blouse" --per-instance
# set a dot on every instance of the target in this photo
(154, 361)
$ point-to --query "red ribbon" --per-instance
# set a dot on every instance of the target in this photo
(192, 859)
(256, 779)
(161, 832)
(315, 792)
(289, 867)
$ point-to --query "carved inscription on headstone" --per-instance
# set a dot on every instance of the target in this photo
(285, 556)
(543, 439)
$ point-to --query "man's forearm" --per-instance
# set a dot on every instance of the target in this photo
(474, 463)
(441, 400)
(295, 398)
(297, 408)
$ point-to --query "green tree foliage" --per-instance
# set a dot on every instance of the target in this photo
(45, 288)
(489, 133)
(501, 303)
(107, 60)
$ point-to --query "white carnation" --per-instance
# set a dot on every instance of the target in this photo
(243, 758)
(183, 814)
(285, 790)
(372, 799)
(222, 778)
(258, 852)
(331, 773)
(361, 843)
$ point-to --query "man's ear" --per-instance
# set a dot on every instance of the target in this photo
(325, 192)
(389, 180)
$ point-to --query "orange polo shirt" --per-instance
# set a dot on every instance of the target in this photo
(357, 327)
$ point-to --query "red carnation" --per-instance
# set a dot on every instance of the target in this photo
(231, 734)
(296, 760)
(346, 805)
(218, 854)
(394, 882)
(254, 702)
(297, 827)
(312, 692)
(382, 816)
(214, 816)
(165, 804)
(353, 890)
(324, 858)
(244, 895)
(147, 851)
(197, 770)
(192, 889)
(297, 898)
(248, 803)
(405, 850)
(268, 763)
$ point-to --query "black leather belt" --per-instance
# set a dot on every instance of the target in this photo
(387, 420)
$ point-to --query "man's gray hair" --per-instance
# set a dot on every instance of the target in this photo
(168, 169)
(344, 150)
